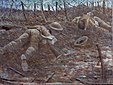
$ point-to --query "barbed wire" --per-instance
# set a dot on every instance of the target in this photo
(29, 3)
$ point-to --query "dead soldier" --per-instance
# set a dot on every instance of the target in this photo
(89, 20)
(34, 34)
(38, 33)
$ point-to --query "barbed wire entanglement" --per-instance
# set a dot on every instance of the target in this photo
(29, 3)
(51, 5)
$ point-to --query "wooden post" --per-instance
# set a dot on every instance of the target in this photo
(41, 3)
(112, 26)
(103, 6)
(65, 10)
(60, 7)
(34, 9)
(56, 7)
(54, 51)
(23, 10)
(98, 3)
(92, 5)
(2, 2)
(16, 71)
(53, 9)
(102, 63)
(10, 9)
(95, 5)
(87, 4)
(48, 9)
(42, 11)
(78, 10)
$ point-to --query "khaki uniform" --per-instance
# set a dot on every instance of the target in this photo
(36, 33)
(86, 21)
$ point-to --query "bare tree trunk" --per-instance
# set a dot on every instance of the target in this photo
(23, 10)
(65, 10)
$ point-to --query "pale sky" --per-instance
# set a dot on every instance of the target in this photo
(7, 3)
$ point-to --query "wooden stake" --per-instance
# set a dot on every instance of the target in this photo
(103, 6)
(42, 11)
(65, 9)
(92, 5)
(34, 9)
(55, 52)
(23, 10)
(56, 8)
(50, 77)
(41, 3)
(102, 63)
(98, 3)
(87, 4)
(16, 71)
(10, 9)
(48, 9)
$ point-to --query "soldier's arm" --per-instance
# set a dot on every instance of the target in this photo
(93, 23)
(87, 23)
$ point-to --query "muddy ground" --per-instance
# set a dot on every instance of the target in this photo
(42, 64)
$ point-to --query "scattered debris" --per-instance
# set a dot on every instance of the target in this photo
(40, 47)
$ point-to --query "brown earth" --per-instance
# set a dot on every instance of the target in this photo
(42, 62)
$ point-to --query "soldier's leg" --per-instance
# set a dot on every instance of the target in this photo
(15, 44)
(34, 42)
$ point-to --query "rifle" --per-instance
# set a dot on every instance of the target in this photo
(54, 50)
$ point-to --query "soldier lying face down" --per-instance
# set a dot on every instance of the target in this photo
(33, 34)
(38, 33)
